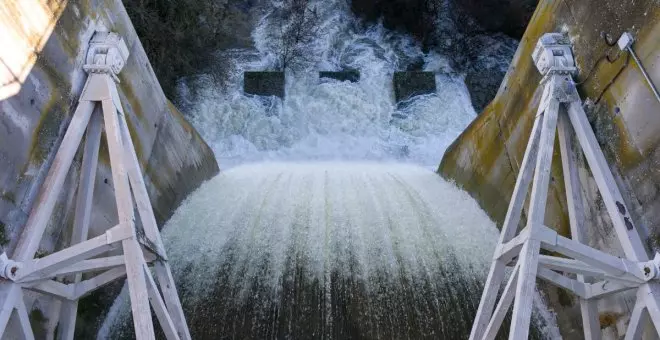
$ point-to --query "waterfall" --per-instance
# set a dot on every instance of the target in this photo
(327, 250)
(327, 221)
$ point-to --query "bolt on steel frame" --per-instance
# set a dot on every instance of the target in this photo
(595, 273)
(99, 107)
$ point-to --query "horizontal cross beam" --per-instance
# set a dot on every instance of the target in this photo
(37, 268)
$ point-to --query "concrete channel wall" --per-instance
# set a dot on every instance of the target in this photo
(622, 110)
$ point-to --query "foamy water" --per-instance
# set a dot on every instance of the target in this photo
(285, 250)
(326, 250)
(329, 119)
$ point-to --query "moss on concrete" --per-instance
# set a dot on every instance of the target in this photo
(3, 233)
(608, 319)
(473, 161)
(181, 158)
(47, 134)
(38, 321)
(485, 159)
(128, 91)
(9, 197)
(565, 298)
(41, 253)
(69, 29)
(136, 141)
(53, 112)
(164, 169)
(184, 122)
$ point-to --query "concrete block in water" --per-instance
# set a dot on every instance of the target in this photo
(264, 83)
(351, 75)
(411, 84)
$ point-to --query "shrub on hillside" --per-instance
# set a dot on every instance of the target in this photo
(181, 37)
(418, 17)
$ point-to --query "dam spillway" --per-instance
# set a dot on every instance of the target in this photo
(329, 250)
(323, 120)
(316, 243)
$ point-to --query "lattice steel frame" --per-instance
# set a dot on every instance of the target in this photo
(141, 247)
(596, 273)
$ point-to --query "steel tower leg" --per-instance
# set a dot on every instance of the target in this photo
(561, 110)
(141, 246)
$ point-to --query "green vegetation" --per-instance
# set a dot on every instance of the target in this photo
(180, 37)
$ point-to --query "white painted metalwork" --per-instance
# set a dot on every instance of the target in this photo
(587, 272)
(625, 44)
(99, 107)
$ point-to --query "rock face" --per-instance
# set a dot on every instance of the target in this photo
(264, 83)
(477, 48)
(182, 37)
(39, 89)
(485, 159)
(482, 85)
(487, 58)
(411, 84)
(507, 16)
(414, 16)
(418, 16)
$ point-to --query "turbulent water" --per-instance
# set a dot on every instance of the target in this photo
(329, 119)
(327, 221)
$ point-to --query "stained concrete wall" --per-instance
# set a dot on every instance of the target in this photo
(625, 116)
(40, 89)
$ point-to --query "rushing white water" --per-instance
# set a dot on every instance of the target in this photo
(327, 250)
(259, 246)
(386, 215)
(343, 232)
(329, 119)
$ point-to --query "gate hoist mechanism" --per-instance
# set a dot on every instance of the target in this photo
(594, 274)
(60, 274)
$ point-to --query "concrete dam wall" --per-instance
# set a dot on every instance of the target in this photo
(41, 77)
